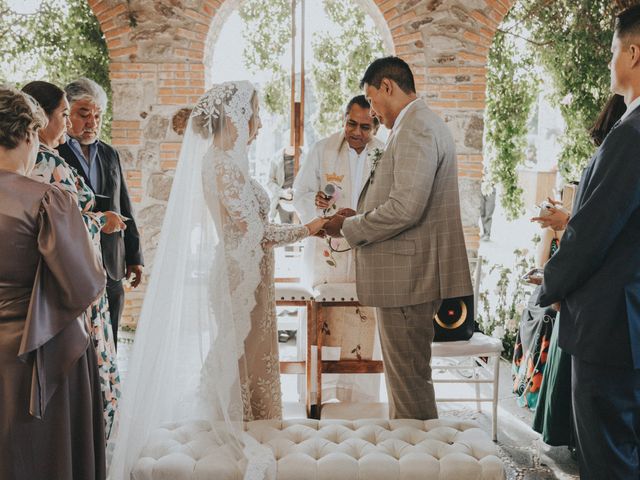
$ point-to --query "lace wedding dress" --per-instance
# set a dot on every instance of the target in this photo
(244, 212)
(206, 342)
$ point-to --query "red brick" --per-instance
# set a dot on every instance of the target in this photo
(169, 164)
(125, 142)
(125, 124)
(454, 96)
(387, 5)
(188, 53)
(123, 52)
(197, 16)
(443, 105)
(172, 67)
(97, 7)
(471, 57)
(112, 12)
(174, 83)
(482, 18)
(499, 6)
(190, 34)
(402, 19)
(170, 147)
(476, 39)
(124, 76)
(116, 31)
(470, 104)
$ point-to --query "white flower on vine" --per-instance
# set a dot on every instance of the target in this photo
(498, 332)
(567, 100)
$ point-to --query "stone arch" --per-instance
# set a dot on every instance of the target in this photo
(157, 56)
(229, 6)
(447, 43)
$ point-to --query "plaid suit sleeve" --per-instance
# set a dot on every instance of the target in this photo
(415, 159)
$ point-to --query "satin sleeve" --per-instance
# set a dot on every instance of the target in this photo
(69, 277)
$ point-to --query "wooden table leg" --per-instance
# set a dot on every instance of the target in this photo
(319, 321)
(310, 330)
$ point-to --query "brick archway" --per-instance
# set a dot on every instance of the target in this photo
(158, 53)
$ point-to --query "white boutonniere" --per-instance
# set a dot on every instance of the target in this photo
(375, 155)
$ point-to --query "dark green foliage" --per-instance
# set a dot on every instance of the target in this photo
(570, 40)
(59, 43)
(339, 60)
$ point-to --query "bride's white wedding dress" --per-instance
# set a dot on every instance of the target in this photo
(243, 207)
(206, 342)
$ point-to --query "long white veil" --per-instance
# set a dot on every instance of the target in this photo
(196, 312)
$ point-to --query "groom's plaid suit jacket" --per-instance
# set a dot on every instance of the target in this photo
(408, 238)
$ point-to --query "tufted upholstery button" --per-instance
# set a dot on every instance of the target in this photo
(373, 449)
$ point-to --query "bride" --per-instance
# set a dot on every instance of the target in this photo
(206, 345)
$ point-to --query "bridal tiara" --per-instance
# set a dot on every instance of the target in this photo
(233, 99)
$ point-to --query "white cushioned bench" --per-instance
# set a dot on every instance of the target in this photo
(374, 449)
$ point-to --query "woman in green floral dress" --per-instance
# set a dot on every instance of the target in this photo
(51, 168)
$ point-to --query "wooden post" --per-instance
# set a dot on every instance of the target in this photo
(296, 137)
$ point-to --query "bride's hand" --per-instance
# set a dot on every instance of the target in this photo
(316, 225)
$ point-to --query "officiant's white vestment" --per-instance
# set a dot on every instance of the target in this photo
(333, 161)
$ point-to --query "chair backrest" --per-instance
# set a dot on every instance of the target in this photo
(475, 267)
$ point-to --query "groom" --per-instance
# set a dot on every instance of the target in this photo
(407, 235)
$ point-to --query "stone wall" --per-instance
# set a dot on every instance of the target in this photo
(160, 51)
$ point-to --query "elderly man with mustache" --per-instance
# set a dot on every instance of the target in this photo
(99, 164)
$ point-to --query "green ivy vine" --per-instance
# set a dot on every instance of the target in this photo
(63, 39)
(339, 62)
(512, 88)
(563, 42)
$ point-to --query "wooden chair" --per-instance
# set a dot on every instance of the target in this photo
(290, 294)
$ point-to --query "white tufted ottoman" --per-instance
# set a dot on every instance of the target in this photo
(330, 450)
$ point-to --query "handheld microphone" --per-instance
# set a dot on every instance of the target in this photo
(329, 190)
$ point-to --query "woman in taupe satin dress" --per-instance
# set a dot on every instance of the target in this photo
(51, 424)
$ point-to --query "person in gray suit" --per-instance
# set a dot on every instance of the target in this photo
(407, 234)
(595, 276)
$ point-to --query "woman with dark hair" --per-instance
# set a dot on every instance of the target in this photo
(610, 114)
(553, 417)
(53, 169)
(50, 408)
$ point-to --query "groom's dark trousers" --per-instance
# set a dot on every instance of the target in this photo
(595, 274)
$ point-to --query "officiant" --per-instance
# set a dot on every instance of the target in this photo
(331, 177)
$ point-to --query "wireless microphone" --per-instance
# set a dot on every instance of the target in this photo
(329, 190)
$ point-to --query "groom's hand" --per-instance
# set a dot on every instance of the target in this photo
(346, 212)
(334, 225)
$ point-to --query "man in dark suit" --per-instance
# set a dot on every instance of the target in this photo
(99, 164)
(595, 276)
